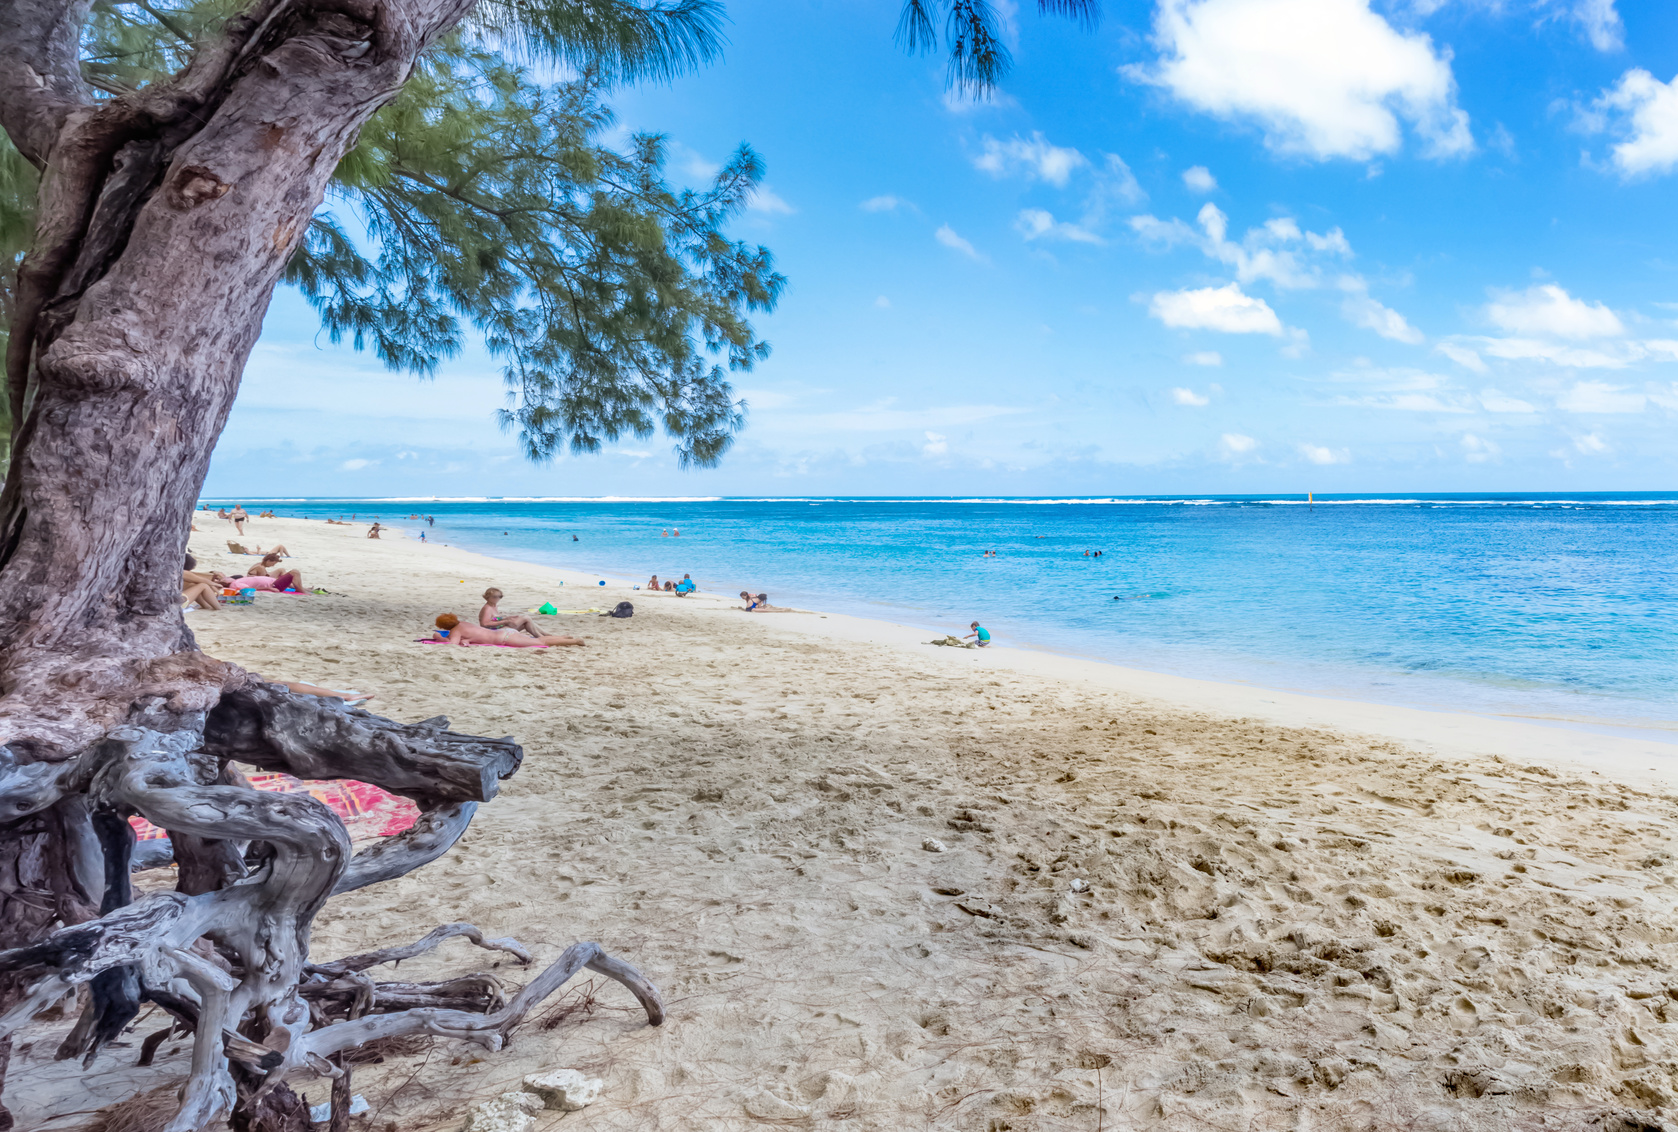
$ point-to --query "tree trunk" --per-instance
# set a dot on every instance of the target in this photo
(164, 221)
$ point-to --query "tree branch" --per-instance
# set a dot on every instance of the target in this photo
(41, 79)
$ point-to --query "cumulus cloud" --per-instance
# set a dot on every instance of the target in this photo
(1320, 455)
(1643, 111)
(1600, 397)
(1550, 311)
(1224, 308)
(1235, 444)
(1033, 156)
(1203, 358)
(1322, 78)
(1190, 397)
(1277, 250)
(1039, 224)
(1199, 179)
(936, 444)
(1600, 22)
(948, 237)
(886, 203)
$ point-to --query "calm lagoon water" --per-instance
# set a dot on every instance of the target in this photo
(1552, 606)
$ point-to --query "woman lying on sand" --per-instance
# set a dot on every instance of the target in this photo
(458, 632)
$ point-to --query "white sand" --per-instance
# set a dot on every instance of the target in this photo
(1302, 913)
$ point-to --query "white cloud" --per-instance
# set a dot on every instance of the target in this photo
(1600, 397)
(1550, 311)
(765, 201)
(1601, 23)
(1203, 358)
(1477, 450)
(1572, 357)
(1235, 444)
(1323, 78)
(882, 302)
(1463, 356)
(1320, 455)
(1037, 224)
(936, 444)
(1644, 111)
(1494, 402)
(1190, 397)
(947, 236)
(1035, 157)
(355, 465)
(1361, 310)
(1223, 308)
(1114, 183)
(1277, 250)
(1591, 444)
(1199, 179)
(886, 203)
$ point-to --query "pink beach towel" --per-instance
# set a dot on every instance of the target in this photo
(367, 811)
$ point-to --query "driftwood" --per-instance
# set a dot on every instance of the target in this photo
(231, 962)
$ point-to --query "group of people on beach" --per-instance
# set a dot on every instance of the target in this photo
(203, 589)
(680, 589)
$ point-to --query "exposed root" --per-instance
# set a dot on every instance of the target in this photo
(227, 957)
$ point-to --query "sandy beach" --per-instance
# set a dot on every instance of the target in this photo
(889, 886)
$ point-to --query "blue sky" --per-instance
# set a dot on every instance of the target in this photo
(1213, 246)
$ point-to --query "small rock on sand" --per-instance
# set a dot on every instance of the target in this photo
(933, 845)
(566, 1090)
(509, 1112)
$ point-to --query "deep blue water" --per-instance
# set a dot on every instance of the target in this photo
(1561, 606)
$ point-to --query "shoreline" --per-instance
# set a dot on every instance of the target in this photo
(1626, 749)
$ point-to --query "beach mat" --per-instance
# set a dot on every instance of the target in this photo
(366, 810)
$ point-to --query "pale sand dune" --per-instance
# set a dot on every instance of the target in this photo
(1285, 928)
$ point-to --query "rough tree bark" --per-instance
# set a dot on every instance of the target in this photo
(164, 221)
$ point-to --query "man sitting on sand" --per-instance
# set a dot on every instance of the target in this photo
(457, 632)
(490, 616)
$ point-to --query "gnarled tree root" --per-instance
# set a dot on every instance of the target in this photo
(228, 957)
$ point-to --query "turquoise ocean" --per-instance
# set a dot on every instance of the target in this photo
(1547, 606)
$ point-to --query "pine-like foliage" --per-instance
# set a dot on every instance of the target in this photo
(482, 200)
(615, 302)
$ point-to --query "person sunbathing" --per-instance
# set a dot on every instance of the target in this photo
(457, 632)
(489, 617)
(269, 567)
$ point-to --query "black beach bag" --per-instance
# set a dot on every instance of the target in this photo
(624, 609)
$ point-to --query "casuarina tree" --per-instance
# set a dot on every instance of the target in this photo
(169, 164)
